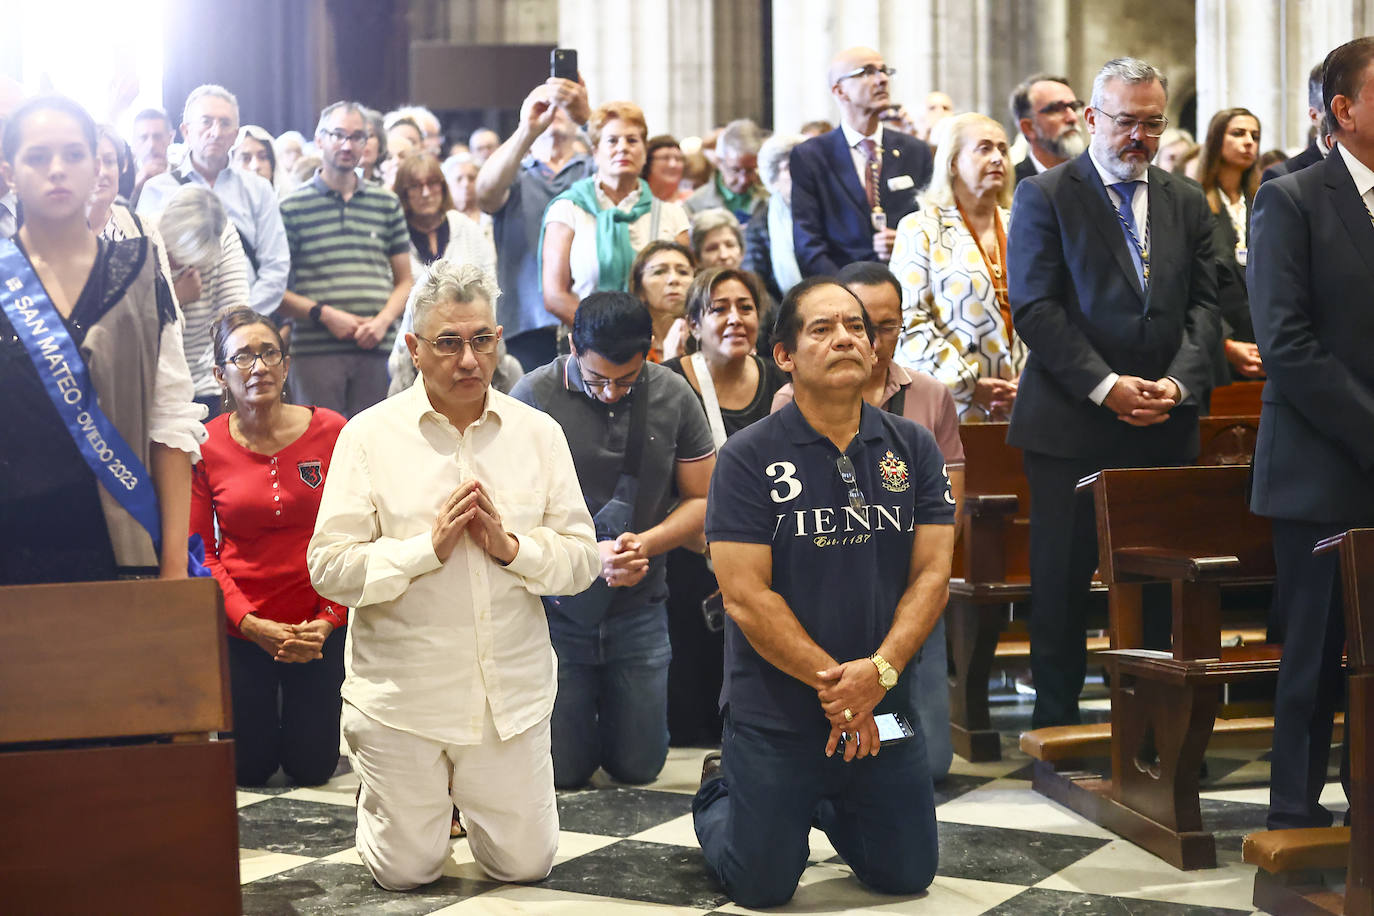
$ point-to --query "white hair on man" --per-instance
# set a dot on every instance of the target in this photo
(741, 136)
(446, 281)
(209, 89)
(192, 227)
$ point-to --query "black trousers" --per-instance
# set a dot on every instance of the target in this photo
(286, 714)
(1311, 683)
(698, 667)
(1063, 558)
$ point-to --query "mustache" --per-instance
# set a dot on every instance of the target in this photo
(1135, 146)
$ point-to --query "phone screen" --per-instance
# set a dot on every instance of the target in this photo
(892, 727)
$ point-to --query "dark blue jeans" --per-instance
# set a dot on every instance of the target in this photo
(612, 705)
(753, 820)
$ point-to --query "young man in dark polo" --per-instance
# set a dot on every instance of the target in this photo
(831, 531)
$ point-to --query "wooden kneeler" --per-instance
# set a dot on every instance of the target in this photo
(115, 798)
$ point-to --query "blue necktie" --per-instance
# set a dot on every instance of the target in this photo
(1126, 190)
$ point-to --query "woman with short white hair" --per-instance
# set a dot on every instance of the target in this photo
(768, 248)
(951, 259)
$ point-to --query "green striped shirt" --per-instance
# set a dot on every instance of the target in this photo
(341, 256)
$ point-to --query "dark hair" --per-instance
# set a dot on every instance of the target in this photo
(411, 173)
(150, 114)
(869, 273)
(1211, 158)
(1340, 72)
(704, 286)
(787, 326)
(14, 127)
(122, 155)
(1314, 88)
(662, 141)
(642, 261)
(1020, 102)
(239, 316)
(614, 325)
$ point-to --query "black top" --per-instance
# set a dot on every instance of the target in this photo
(419, 242)
(771, 378)
(51, 526)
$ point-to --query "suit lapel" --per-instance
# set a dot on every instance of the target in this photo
(1100, 212)
(1344, 198)
(843, 164)
(1163, 232)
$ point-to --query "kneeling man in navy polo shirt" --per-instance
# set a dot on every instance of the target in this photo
(831, 532)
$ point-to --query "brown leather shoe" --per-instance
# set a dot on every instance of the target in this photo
(710, 767)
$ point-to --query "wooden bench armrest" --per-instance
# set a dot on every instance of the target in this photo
(1163, 563)
(991, 504)
(1278, 851)
(1326, 545)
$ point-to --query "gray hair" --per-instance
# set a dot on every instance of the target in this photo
(345, 106)
(209, 89)
(472, 138)
(704, 222)
(377, 126)
(192, 227)
(449, 167)
(1130, 70)
(773, 154)
(448, 281)
(951, 135)
(742, 136)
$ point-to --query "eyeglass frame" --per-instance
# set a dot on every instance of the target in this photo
(1059, 107)
(601, 383)
(1135, 122)
(463, 343)
(857, 501)
(358, 137)
(868, 70)
(254, 357)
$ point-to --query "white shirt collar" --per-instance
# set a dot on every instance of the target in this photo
(852, 136)
(421, 407)
(1108, 179)
(1035, 161)
(1363, 175)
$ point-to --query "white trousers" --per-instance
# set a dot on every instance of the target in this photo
(503, 788)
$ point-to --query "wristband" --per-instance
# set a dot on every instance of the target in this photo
(315, 311)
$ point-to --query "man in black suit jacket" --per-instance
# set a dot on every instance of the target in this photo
(1317, 149)
(839, 217)
(1048, 113)
(1113, 287)
(1311, 268)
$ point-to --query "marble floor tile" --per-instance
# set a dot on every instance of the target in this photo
(957, 784)
(1123, 869)
(681, 832)
(682, 772)
(1012, 803)
(461, 863)
(634, 870)
(322, 888)
(341, 790)
(619, 812)
(256, 863)
(833, 890)
(242, 798)
(1041, 902)
(298, 827)
(1023, 857)
(512, 899)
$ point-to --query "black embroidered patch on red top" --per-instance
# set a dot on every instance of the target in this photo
(312, 473)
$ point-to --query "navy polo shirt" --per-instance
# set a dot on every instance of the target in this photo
(841, 570)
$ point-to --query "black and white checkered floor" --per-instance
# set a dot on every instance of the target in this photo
(1003, 849)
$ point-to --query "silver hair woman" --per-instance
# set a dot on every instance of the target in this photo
(768, 242)
(717, 239)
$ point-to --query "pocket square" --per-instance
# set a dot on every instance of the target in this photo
(900, 183)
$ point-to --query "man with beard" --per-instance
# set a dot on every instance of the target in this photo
(345, 319)
(1113, 287)
(1047, 111)
(852, 186)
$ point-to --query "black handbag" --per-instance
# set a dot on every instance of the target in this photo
(589, 607)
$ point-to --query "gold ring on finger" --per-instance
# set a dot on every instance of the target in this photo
(848, 715)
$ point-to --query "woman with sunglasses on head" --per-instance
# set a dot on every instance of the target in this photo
(89, 329)
(258, 487)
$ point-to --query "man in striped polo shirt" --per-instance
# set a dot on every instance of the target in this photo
(350, 272)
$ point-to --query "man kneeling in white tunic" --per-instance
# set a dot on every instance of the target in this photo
(448, 510)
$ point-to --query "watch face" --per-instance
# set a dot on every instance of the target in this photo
(888, 678)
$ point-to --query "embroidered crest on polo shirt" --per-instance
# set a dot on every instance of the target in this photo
(312, 473)
(894, 473)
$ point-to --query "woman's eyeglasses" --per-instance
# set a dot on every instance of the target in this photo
(245, 361)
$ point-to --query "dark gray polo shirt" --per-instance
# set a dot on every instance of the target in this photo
(597, 434)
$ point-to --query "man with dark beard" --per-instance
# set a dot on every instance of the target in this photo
(1049, 115)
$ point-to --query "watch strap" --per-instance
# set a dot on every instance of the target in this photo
(315, 311)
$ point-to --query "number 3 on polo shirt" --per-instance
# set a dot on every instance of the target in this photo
(783, 473)
(949, 489)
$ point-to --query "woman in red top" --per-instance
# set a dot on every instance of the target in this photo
(260, 477)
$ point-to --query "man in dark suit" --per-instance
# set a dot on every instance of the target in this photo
(1311, 267)
(1048, 114)
(1317, 149)
(851, 186)
(1113, 287)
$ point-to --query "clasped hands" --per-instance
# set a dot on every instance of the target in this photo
(852, 686)
(469, 509)
(1141, 402)
(365, 332)
(287, 642)
(624, 562)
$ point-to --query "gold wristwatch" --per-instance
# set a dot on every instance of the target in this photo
(887, 675)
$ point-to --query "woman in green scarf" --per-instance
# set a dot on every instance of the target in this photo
(593, 230)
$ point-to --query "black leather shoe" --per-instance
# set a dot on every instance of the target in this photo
(710, 767)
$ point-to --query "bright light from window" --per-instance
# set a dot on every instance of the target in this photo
(107, 56)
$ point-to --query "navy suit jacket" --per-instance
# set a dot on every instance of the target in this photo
(1076, 301)
(1310, 271)
(1309, 156)
(831, 221)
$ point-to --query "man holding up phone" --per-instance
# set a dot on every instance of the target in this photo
(831, 532)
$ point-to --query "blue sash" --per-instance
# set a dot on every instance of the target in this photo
(68, 384)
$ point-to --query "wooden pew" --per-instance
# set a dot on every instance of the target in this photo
(992, 566)
(115, 799)
(1189, 527)
(1238, 399)
(1299, 871)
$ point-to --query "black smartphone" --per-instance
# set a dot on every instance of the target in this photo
(563, 64)
(713, 610)
(892, 727)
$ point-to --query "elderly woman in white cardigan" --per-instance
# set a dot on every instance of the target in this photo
(951, 257)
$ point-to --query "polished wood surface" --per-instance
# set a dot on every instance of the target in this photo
(1236, 399)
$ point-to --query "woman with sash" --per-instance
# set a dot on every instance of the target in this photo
(593, 230)
(255, 497)
(736, 387)
(951, 258)
(98, 431)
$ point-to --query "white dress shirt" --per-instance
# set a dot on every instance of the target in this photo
(432, 643)
(853, 138)
(1363, 176)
